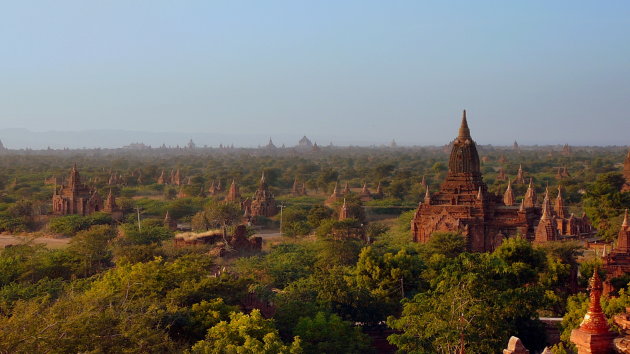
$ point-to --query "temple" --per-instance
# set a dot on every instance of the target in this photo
(562, 173)
(233, 194)
(501, 176)
(365, 195)
(305, 143)
(176, 178)
(346, 189)
(508, 196)
(263, 202)
(593, 335)
(546, 230)
(162, 178)
(617, 262)
(334, 197)
(75, 197)
(463, 203)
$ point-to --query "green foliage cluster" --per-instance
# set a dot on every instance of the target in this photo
(604, 204)
(69, 225)
(124, 288)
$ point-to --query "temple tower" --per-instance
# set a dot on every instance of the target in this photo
(530, 195)
(560, 208)
(263, 202)
(233, 194)
(546, 230)
(177, 178)
(623, 238)
(75, 197)
(110, 203)
(334, 196)
(593, 335)
(365, 195)
(343, 212)
(379, 191)
(617, 262)
(508, 196)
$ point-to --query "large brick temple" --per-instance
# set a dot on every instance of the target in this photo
(463, 204)
(74, 197)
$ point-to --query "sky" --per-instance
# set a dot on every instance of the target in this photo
(539, 72)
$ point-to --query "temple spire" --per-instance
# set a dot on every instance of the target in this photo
(508, 196)
(346, 189)
(530, 195)
(343, 213)
(464, 131)
(593, 335)
(560, 208)
(427, 196)
(623, 238)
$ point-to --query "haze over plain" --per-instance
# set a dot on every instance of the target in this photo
(353, 72)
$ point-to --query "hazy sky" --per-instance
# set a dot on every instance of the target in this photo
(534, 71)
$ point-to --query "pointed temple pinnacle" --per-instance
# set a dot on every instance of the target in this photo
(547, 192)
(480, 194)
(545, 212)
(464, 132)
(625, 219)
(262, 178)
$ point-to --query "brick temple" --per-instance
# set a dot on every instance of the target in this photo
(617, 262)
(75, 197)
(263, 203)
(463, 204)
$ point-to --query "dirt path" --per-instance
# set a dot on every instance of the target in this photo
(50, 242)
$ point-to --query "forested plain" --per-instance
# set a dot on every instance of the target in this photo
(123, 286)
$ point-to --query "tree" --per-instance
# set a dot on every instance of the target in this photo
(147, 234)
(391, 276)
(604, 201)
(245, 334)
(327, 333)
(200, 222)
(476, 301)
(449, 244)
(223, 214)
(91, 249)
